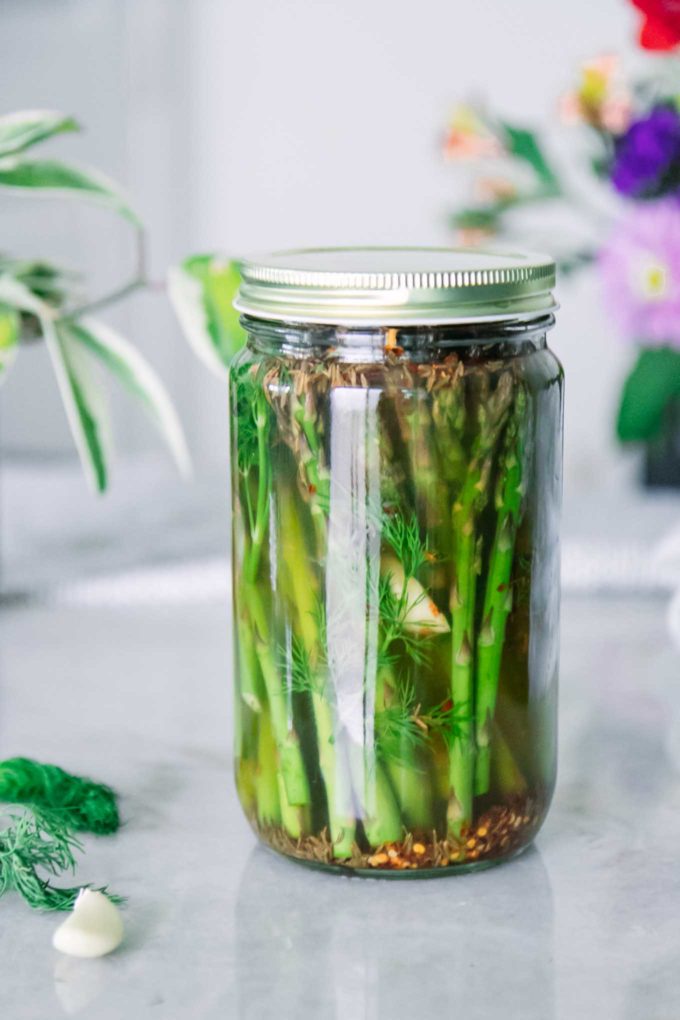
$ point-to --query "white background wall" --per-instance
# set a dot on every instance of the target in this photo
(278, 123)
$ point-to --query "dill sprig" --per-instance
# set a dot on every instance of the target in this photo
(397, 731)
(451, 721)
(40, 840)
(88, 806)
(246, 425)
(394, 609)
(306, 672)
(297, 663)
(404, 537)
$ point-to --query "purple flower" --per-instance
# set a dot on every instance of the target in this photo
(647, 160)
(640, 272)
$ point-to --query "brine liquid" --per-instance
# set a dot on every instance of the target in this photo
(396, 604)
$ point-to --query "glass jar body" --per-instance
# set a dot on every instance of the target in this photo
(396, 498)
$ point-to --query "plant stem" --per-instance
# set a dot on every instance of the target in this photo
(137, 282)
(498, 596)
(331, 753)
(266, 783)
(263, 488)
(383, 824)
(490, 415)
(291, 764)
(462, 666)
(292, 779)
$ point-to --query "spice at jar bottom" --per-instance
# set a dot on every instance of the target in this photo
(396, 471)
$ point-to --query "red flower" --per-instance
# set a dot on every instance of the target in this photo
(661, 27)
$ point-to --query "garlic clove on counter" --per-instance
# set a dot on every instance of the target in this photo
(93, 928)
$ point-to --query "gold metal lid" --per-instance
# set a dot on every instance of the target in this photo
(396, 286)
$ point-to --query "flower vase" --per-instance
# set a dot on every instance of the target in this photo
(662, 454)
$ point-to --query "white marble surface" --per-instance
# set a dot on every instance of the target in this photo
(586, 924)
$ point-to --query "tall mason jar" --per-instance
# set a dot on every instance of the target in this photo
(397, 437)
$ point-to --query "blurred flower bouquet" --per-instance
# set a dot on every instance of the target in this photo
(629, 209)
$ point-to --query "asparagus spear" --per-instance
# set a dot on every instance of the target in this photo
(266, 782)
(252, 453)
(490, 413)
(498, 596)
(311, 678)
(300, 426)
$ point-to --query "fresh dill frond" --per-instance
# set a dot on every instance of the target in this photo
(404, 537)
(393, 612)
(245, 415)
(389, 604)
(39, 840)
(296, 664)
(451, 721)
(319, 616)
(417, 647)
(87, 805)
(398, 733)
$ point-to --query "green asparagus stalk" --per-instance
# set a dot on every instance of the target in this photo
(253, 455)
(498, 596)
(295, 790)
(331, 753)
(491, 411)
(383, 825)
(266, 781)
(407, 776)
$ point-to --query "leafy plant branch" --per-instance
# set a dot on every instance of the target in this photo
(39, 301)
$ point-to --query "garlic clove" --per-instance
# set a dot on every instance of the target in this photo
(423, 616)
(93, 928)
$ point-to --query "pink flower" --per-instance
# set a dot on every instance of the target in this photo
(640, 271)
(468, 137)
(600, 98)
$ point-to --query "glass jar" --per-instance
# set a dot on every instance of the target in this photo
(396, 479)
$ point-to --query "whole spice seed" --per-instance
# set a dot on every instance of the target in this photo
(501, 837)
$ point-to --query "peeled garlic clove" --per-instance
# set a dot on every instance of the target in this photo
(93, 928)
(422, 615)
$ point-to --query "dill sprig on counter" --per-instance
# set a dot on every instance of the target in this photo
(38, 842)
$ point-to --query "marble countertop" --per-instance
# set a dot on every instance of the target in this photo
(585, 924)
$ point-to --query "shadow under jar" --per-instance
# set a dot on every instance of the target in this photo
(396, 463)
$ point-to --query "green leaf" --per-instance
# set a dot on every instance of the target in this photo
(524, 145)
(83, 401)
(653, 383)
(47, 176)
(481, 217)
(46, 282)
(10, 325)
(119, 357)
(202, 290)
(17, 295)
(24, 128)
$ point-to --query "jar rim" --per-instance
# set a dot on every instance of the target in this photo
(396, 286)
